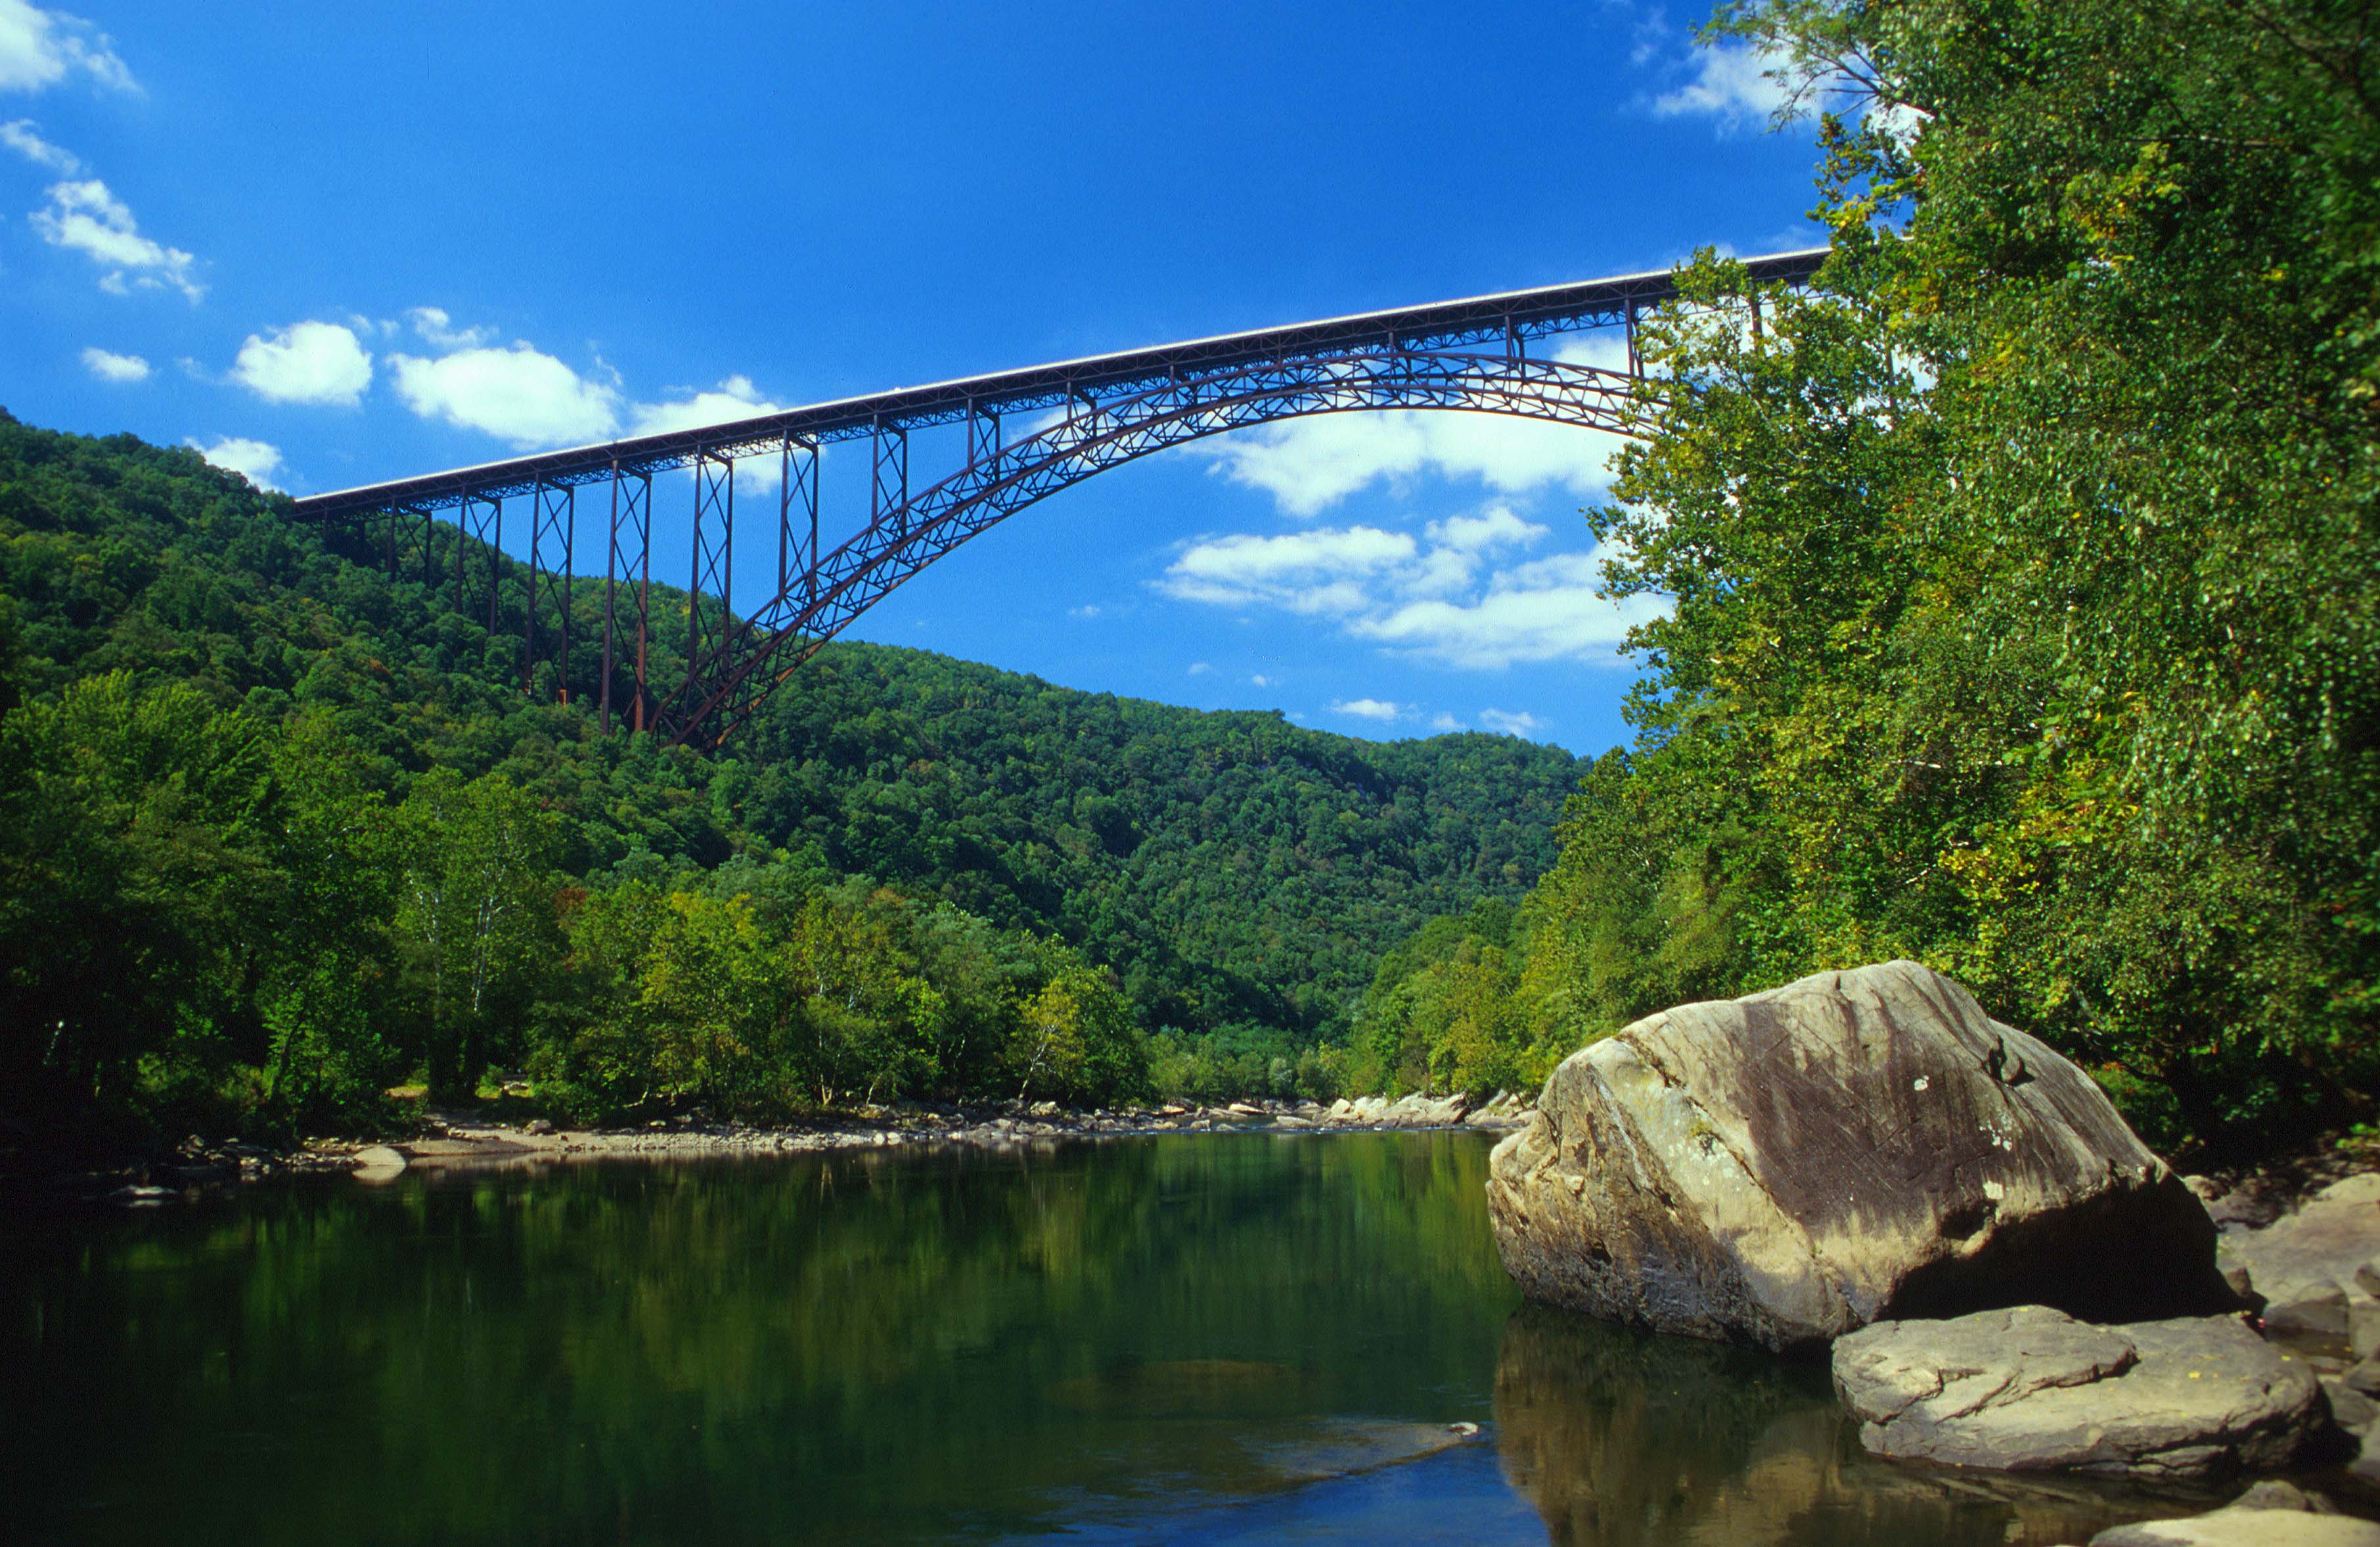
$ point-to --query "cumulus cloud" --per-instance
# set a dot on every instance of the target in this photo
(1496, 527)
(734, 399)
(436, 329)
(24, 137)
(1307, 465)
(1260, 680)
(1544, 611)
(39, 48)
(253, 460)
(85, 217)
(307, 362)
(1305, 572)
(1383, 710)
(1445, 722)
(1458, 597)
(519, 396)
(1200, 668)
(1519, 724)
(533, 401)
(108, 365)
(1088, 610)
(1731, 84)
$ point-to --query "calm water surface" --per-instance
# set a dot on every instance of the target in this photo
(1213, 1338)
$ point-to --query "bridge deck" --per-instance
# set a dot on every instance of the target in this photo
(1441, 326)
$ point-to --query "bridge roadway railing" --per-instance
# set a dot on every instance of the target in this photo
(1107, 409)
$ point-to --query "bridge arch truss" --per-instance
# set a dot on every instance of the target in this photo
(1071, 422)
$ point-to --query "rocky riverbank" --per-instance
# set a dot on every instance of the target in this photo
(1865, 1164)
(464, 1138)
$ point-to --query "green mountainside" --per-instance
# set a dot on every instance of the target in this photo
(1238, 875)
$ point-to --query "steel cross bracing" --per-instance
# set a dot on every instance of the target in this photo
(1091, 414)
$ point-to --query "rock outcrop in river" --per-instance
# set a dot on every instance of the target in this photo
(1622, 1440)
(2032, 1389)
(1857, 1146)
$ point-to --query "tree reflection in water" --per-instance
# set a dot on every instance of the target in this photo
(1219, 1339)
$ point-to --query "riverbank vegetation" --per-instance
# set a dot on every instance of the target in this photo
(279, 830)
(2026, 575)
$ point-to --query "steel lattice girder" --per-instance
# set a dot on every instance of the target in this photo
(760, 650)
(1499, 321)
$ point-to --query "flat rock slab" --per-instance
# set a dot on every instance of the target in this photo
(2034, 1389)
(1858, 1146)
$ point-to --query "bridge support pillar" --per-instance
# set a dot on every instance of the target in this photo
(798, 514)
(983, 436)
(714, 553)
(888, 492)
(481, 520)
(553, 533)
(630, 562)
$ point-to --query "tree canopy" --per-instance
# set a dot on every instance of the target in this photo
(2024, 569)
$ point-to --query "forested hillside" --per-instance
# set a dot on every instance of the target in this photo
(2027, 578)
(266, 807)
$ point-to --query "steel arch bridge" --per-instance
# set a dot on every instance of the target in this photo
(1082, 418)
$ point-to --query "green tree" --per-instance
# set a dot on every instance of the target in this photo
(476, 920)
(865, 1019)
(135, 848)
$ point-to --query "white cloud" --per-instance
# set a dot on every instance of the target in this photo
(1545, 611)
(1496, 527)
(531, 399)
(109, 366)
(1260, 680)
(1446, 723)
(24, 137)
(439, 331)
(1307, 465)
(87, 218)
(1307, 572)
(1382, 709)
(1730, 84)
(39, 48)
(307, 362)
(1200, 668)
(733, 400)
(1086, 610)
(1520, 724)
(1444, 599)
(253, 460)
(516, 395)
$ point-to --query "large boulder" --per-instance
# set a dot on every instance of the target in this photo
(2032, 1389)
(1785, 1168)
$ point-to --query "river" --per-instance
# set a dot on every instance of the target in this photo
(1208, 1338)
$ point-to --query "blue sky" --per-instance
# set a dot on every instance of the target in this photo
(331, 245)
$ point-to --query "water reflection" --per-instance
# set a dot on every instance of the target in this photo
(879, 1346)
(1626, 1440)
(1216, 1339)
